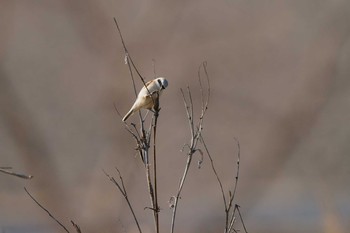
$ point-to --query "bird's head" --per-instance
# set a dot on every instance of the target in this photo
(162, 82)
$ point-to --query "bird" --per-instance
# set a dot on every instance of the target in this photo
(147, 95)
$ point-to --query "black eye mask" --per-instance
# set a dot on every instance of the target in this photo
(160, 84)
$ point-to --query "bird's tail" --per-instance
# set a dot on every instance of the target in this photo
(128, 114)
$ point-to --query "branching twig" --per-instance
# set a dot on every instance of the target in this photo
(122, 189)
(241, 218)
(143, 136)
(156, 207)
(195, 132)
(237, 173)
(128, 56)
(215, 172)
(230, 216)
(77, 228)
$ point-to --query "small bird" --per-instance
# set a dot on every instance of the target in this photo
(147, 96)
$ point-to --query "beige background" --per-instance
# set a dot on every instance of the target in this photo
(279, 73)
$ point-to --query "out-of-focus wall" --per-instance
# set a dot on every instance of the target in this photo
(279, 78)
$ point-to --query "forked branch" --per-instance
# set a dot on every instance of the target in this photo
(143, 136)
(76, 227)
(121, 187)
(195, 132)
(230, 208)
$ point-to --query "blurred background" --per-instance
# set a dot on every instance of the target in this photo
(279, 73)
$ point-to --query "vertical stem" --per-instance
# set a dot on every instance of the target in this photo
(182, 181)
(156, 207)
(149, 184)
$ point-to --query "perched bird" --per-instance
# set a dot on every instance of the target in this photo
(147, 96)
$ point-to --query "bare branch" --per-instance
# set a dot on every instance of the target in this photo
(215, 172)
(204, 102)
(155, 206)
(128, 56)
(48, 212)
(143, 138)
(127, 59)
(188, 112)
(195, 136)
(122, 190)
(229, 213)
(241, 218)
(20, 175)
(116, 109)
(237, 172)
(154, 67)
(76, 227)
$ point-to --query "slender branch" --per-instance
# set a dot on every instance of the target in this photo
(241, 218)
(215, 172)
(135, 135)
(154, 67)
(188, 112)
(48, 212)
(156, 207)
(122, 190)
(188, 162)
(237, 172)
(126, 51)
(229, 215)
(149, 180)
(20, 175)
(195, 136)
(191, 111)
(76, 227)
(232, 221)
(176, 198)
(128, 58)
(204, 64)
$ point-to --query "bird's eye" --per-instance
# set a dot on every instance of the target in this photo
(159, 82)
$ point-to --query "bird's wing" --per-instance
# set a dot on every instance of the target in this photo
(147, 83)
(145, 91)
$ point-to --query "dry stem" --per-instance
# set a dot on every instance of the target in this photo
(143, 136)
(230, 209)
(20, 175)
(195, 132)
(122, 189)
(76, 227)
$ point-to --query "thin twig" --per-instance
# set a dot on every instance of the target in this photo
(128, 58)
(232, 221)
(241, 218)
(156, 207)
(195, 136)
(126, 51)
(229, 221)
(144, 140)
(154, 67)
(237, 172)
(135, 135)
(47, 211)
(20, 175)
(214, 170)
(76, 227)
(122, 189)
